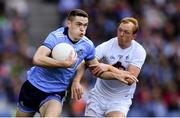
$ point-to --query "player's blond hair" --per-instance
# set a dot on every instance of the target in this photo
(132, 20)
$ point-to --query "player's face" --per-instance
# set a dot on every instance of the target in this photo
(125, 34)
(77, 27)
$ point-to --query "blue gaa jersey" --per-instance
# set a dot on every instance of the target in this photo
(58, 79)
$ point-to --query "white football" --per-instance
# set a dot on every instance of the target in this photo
(62, 51)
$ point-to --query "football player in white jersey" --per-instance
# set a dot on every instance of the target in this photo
(122, 55)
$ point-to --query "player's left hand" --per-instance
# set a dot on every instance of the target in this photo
(130, 78)
(98, 69)
(126, 78)
(76, 90)
(70, 60)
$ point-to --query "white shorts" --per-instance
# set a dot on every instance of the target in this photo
(98, 105)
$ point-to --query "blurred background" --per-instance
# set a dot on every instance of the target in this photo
(24, 24)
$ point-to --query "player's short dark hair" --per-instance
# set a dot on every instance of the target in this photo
(77, 12)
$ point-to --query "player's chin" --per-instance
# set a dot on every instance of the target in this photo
(81, 35)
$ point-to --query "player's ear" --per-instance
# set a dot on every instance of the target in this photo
(68, 23)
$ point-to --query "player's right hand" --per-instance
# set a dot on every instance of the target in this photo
(76, 90)
(70, 60)
(98, 69)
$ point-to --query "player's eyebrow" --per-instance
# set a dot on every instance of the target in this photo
(123, 29)
(82, 23)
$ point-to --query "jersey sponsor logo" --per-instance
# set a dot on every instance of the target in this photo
(119, 65)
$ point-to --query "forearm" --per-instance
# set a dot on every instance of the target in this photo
(118, 71)
(47, 62)
(76, 88)
(108, 75)
(113, 76)
(41, 58)
(131, 70)
(129, 76)
(80, 72)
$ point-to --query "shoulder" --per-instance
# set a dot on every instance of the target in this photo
(138, 47)
(59, 32)
(87, 41)
(110, 42)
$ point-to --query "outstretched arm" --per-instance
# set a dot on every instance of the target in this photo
(108, 72)
(98, 69)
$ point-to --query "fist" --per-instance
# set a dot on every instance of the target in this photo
(130, 81)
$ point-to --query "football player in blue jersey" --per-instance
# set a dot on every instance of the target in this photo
(47, 81)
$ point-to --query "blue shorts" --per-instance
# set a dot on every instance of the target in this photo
(31, 98)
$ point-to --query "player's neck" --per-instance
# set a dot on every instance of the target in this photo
(124, 46)
(71, 38)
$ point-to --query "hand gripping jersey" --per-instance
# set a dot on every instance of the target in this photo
(110, 53)
(58, 79)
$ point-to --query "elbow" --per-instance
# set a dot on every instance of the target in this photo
(35, 60)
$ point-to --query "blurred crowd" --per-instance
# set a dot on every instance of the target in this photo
(15, 52)
(157, 93)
